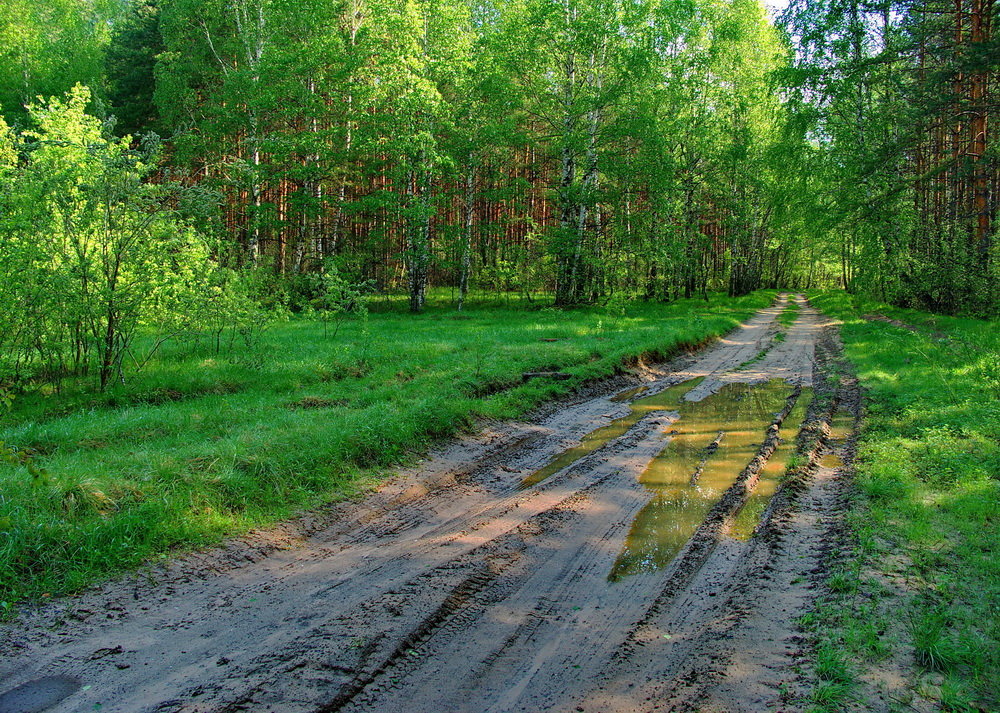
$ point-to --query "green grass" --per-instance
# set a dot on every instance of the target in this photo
(928, 476)
(788, 315)
(201, 445)
(785, 318)
(754, 360)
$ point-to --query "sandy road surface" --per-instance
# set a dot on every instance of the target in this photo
(454, 589)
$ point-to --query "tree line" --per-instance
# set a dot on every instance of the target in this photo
(899, 99)
(578, 146)
(207, 158)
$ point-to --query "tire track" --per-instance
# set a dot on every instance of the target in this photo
(449, 589)
(737, 652)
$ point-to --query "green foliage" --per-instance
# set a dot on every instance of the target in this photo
(587, 148)
(94, 252)
(534, 146)
(337, 297)
(46, 48)
(130, 63)
(199, 444)
(891, 106)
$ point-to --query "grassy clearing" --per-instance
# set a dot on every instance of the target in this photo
(920, 590)
(200, 445)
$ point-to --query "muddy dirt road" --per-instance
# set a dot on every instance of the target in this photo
(623, 553)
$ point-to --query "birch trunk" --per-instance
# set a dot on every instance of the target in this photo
(463, 281)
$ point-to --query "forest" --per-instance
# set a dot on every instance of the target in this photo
(257, 256)
(212, 158)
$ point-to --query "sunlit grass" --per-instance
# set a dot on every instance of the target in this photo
(928, 472)
(200, 445)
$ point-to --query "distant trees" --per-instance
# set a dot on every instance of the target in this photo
(431, 139)
(581, 148)
(580, 63)
(130, 65)
(901, 96)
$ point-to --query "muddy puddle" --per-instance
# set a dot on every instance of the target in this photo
(841, 425)
(665, 400)
(749, 515)
(710, 444)
(831, 460)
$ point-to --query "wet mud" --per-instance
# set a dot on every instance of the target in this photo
(38, 695)
(646, 544)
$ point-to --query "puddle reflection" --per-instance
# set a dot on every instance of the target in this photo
(831, 460)
(665, 400)
(687, 477)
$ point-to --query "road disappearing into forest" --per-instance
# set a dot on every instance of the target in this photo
(644, 545)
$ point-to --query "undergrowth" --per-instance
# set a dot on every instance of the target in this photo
(201, 444)
(922, 583)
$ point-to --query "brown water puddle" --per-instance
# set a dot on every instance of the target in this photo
(831, 460)
(688, 476)
(666, 400)
(629, 394)
(749, 515)
(841, 425)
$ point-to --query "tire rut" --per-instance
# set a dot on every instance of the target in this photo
(739, 652)
(449, 589)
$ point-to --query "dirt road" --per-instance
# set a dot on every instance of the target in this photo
(580, 562)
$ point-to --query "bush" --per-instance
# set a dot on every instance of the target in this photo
(93, 250)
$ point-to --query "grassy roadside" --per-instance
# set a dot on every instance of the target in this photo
(201, 445)
(918, 593)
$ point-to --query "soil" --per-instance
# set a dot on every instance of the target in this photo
(453, 587)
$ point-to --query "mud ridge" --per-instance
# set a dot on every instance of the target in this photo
(710, 450)
(735, 497)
